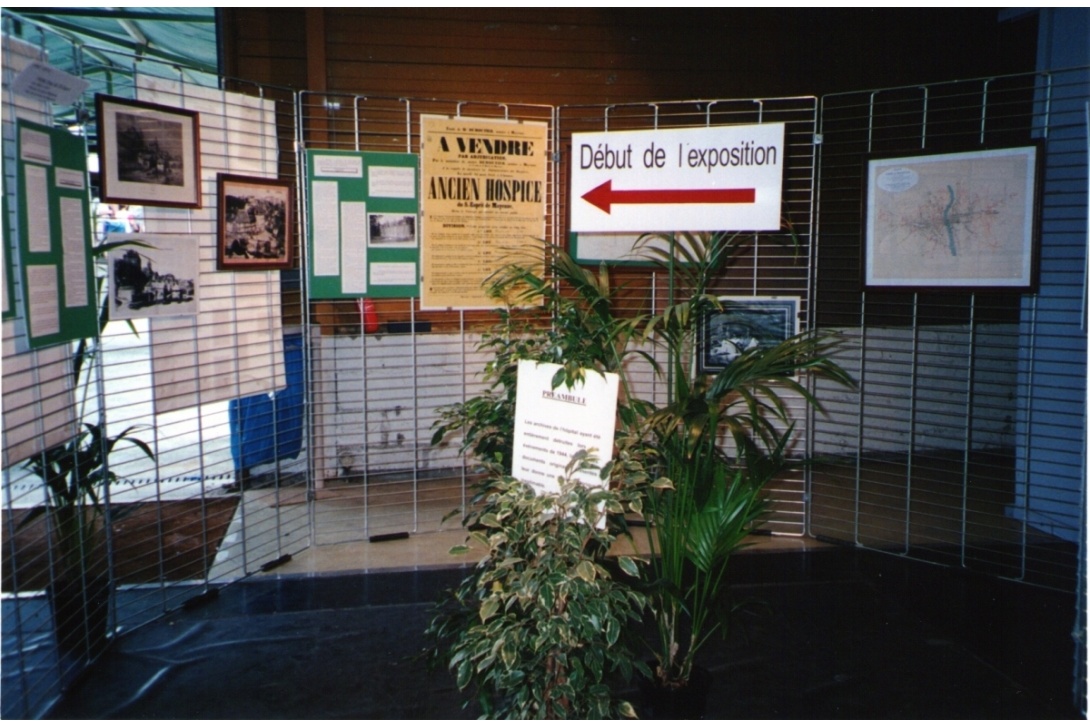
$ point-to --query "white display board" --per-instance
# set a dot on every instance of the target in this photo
(234, 346)
(38, 406)
(552, 425)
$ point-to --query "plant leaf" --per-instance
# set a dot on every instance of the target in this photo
(488, 608)
(586, 571)
(628, 566)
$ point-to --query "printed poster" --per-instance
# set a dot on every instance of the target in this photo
(483, 184)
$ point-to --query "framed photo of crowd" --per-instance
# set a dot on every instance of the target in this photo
(254, 223)
(148, 154)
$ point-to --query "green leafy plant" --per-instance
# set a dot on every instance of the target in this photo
(76, 473)
(704, 495)
(558, 312)
(487, 420)
(537, 629)
(703, 459)
(585, 332)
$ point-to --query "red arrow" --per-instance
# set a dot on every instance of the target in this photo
(603, 196)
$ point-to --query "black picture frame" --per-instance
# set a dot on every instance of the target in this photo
(961, 221)
(149, 154)
(746, 322)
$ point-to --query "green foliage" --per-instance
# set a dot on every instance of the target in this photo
(703, 499)
(76, 472)
(537, 629)
(696, 467)
(585, 333)
(582, 334)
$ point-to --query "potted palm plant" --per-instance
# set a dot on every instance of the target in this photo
(75, 474)
(702, 460)
(712, 448)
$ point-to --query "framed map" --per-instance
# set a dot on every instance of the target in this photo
(966, 220)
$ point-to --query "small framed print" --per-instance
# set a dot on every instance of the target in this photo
(254, 223)
(965, 220)
(746, 323)
(148, 154)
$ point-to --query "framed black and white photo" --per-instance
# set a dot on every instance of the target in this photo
(955, 221)
(746, 323)
(255, 223)
(148, 154)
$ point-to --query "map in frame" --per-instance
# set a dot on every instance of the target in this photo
(963, 220)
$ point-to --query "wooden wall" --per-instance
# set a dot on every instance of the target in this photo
(598, 56)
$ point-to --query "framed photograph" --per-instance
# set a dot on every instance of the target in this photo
(964, 220)
(148, 154)
(255, 223)
(745, 323)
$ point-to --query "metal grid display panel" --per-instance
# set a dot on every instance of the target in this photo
(965, 440)
(765, 265)
(177, 525)
(375, 395)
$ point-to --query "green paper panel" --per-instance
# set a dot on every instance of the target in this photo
(5, 242)
(363, 236)
(55, 255)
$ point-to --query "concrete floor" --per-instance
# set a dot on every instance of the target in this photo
(432, 550)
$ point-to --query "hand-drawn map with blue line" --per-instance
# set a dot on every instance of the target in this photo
(951, 219)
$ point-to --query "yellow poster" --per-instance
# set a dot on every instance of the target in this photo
(483, 194)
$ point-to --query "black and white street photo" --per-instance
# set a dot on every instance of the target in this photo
(149, 150)
(155, 276)
(149, 154)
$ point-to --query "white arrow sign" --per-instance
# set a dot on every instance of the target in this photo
(703, 178)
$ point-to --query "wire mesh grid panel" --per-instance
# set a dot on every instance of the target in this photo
(383, 363)
(964, 441)
(159, 395)
(762, 266)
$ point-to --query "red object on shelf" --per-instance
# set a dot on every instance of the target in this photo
(368, 315)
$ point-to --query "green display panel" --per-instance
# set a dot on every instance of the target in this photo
(55, 256)
(8, 293)
(363, 236)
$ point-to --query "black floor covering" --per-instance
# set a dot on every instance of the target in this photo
(834, 633)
